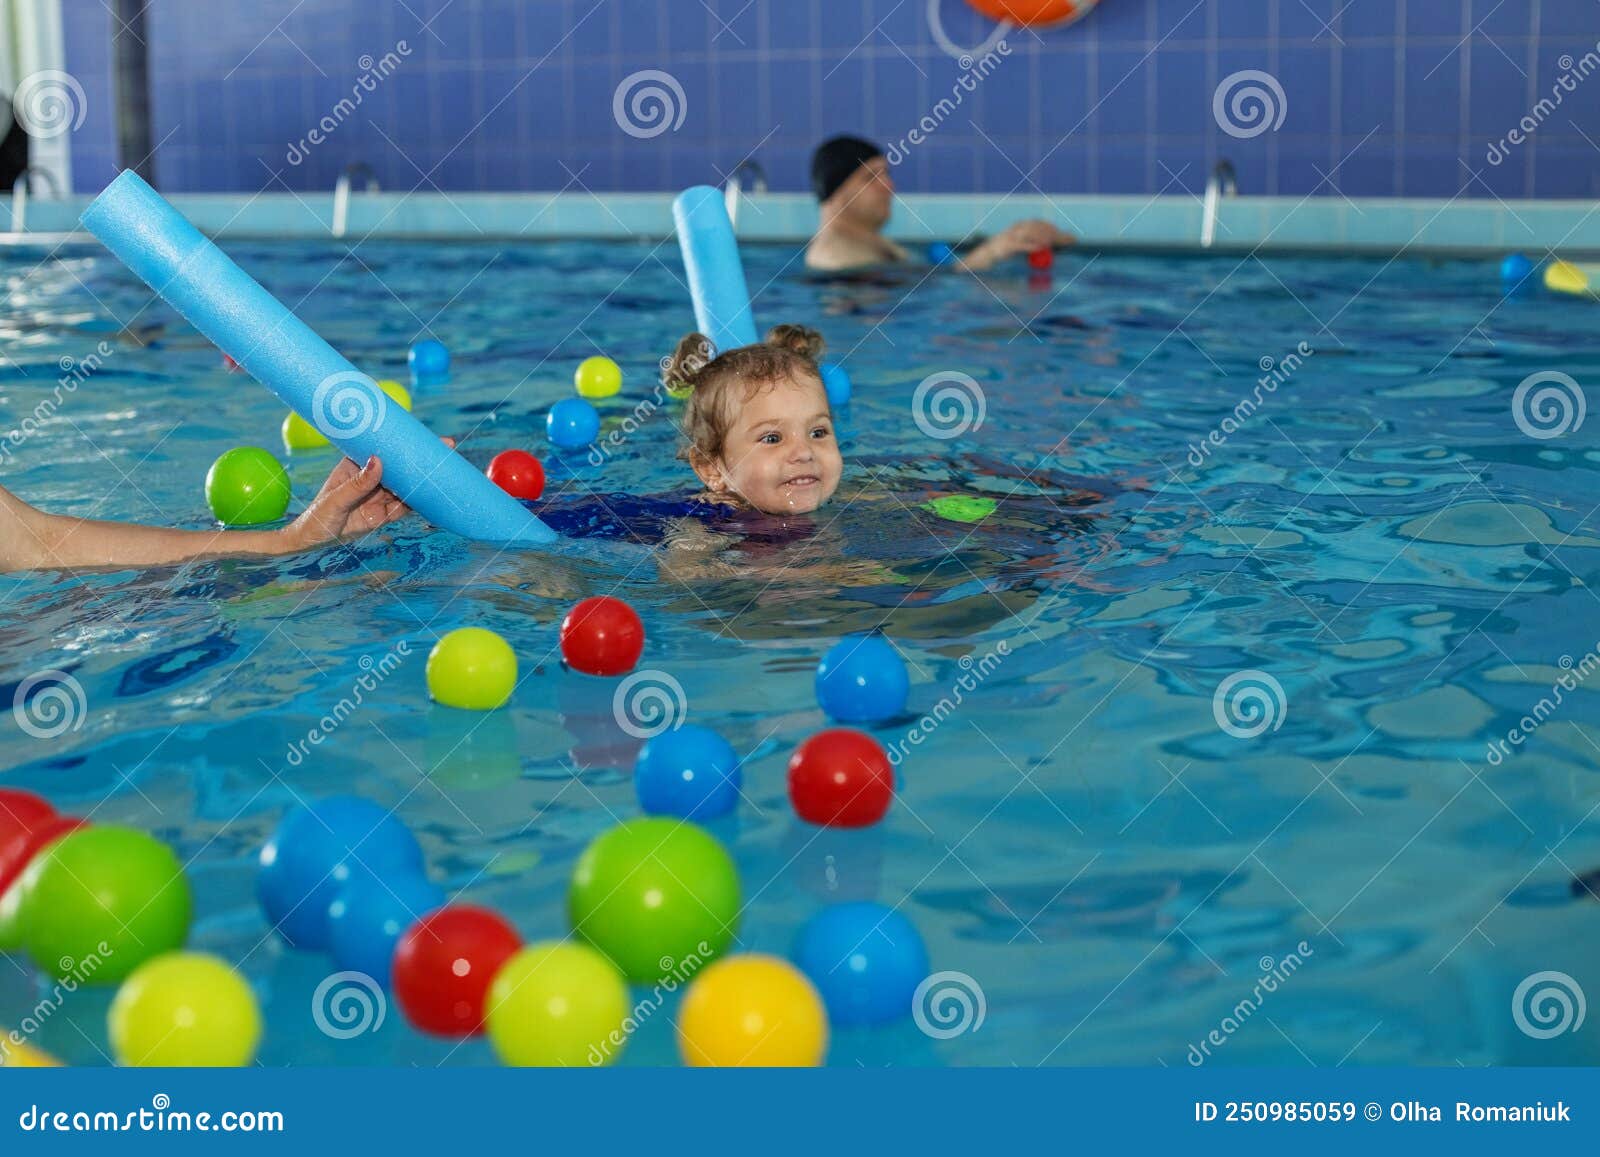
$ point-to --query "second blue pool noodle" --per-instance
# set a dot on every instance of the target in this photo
(711, 259)
(282, 353)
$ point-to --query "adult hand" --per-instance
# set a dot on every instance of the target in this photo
(1027, 236)
(351, 502)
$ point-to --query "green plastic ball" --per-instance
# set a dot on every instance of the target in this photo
(659, 897)
(598, 378)
(184, 1009)
(246, 487)
(961, 507)
(473, 669)
(100, 902)
(557, 1004)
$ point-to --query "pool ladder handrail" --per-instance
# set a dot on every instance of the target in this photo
(341, 193)
(732, 192)
(19, 195)
(1223, 183)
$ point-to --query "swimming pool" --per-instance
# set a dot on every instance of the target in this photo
(1092, 836)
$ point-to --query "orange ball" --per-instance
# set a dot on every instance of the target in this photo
(1033, 12)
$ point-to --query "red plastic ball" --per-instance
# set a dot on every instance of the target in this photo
(1041, 259)
(444, 963)
(518, 473)
(1032, 13)
(229, 364)
(841, 778)
(19, 851)
(602, 636)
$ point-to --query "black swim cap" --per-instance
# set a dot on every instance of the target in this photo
(836, 161)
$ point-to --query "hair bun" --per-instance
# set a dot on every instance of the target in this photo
(681, 371)
(797, 339)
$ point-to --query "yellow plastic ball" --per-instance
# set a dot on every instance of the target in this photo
(473, 669)
(184, 1009)
(754, 1011)
(23, 1056)
(598, 378)
(557, 1004)
(299, 434)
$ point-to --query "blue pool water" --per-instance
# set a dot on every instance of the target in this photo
(1400, 572)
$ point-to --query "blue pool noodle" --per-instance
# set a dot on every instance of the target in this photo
(282, 353)
(711, 258)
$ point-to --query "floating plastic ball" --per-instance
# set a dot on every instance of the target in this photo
(557, 1004)
(444, 964)
(101, 901)
(602, 636)
(657, 896)
(229, 364)
(518, 473)
(692, 772)
(1516, 270)
(1034, 13)
(597, 378)
(940, 254)
(247, 486)
(22, 849)
(572, 423)
(754, 1011)
(862, 679)
(182, 1010)
(836, 383)
(473, 669)
(369, 916)
(841, 778)
(866, 960)
(1041, 259)
(23, 816)
(22, 1056)
(299, 434)
(315, 852)
(961, 507)
(428, 359)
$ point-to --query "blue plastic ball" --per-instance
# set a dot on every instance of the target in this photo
(862, 680)
(315, 852)
(370, 915)
(939, 253)
(1515, 270)
(572, 423)
(836, 382)
(692, 772)
(865, 959)
(429, 359)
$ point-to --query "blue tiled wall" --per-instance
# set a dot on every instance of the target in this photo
(1380, 97)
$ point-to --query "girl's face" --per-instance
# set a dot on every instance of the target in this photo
(780, 455)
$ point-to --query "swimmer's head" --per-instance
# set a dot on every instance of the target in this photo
(850, 177)
(757, 420)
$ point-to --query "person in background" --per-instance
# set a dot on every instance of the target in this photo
(850, 177)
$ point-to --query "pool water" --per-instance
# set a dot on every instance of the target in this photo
(1374, 563)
